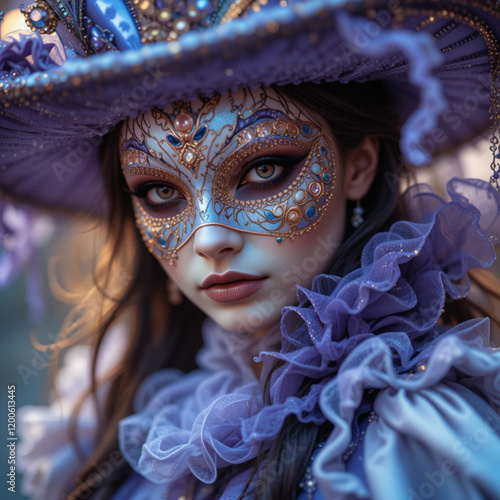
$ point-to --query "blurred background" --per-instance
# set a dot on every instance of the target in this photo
(22, 315)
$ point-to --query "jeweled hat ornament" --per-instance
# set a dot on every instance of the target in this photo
(83, 67)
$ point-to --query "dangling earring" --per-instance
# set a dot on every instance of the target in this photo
(357, 218)
(174, 295)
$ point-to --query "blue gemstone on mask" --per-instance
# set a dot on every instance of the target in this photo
(269, 215)
(306, 130)
(202, 4)
(148, 233)
(323, 150)
(200, 133)
(326, 177)
(162, 242)
(173, 140)
(315, 168)
(310, 212)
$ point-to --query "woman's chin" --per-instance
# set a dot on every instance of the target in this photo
(250, 320)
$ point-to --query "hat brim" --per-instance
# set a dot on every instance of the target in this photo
(437, 62)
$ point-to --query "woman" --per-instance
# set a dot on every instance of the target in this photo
(368, 368)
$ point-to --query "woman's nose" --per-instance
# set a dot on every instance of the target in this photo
(215, 242)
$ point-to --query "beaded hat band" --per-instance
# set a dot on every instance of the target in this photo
(83, 67)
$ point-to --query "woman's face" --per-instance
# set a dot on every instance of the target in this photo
(239, 198)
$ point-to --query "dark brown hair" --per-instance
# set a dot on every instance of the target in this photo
(166, 337)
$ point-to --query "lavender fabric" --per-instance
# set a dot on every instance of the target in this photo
(404, 391)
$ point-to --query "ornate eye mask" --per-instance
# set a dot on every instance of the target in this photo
(208, 169)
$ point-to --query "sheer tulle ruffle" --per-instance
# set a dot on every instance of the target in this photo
(376, 331)
(385, 315)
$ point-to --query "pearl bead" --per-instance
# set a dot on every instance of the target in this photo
(184, 122)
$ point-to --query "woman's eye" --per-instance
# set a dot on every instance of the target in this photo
(161, 194)
(262, 173)
(157, 195)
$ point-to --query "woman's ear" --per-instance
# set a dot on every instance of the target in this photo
(360, 168)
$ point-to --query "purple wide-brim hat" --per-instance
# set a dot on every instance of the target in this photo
(61, 93)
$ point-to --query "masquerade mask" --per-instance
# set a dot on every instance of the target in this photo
(253, 164)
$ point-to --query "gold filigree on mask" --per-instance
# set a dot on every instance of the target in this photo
(185, 134)
(223, 142)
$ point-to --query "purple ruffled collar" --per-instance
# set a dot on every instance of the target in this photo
(214, 417)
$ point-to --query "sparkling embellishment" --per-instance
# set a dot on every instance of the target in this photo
(263, 131)
(249, 135)
(299, 196)
(278, 211)
(100, 40)
(167, 20)
(173, 140)
(315, 188)
(285, 213)
(165, 15)
(182, 137)
(311, 212)
(293, 216)
(146, 6)
(308, 483)
(181, 25)
(200, 133)
(315, 168)
(40, 17)
(357, 218)
(184, 122)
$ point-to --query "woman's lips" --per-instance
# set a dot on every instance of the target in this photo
(236, 290)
